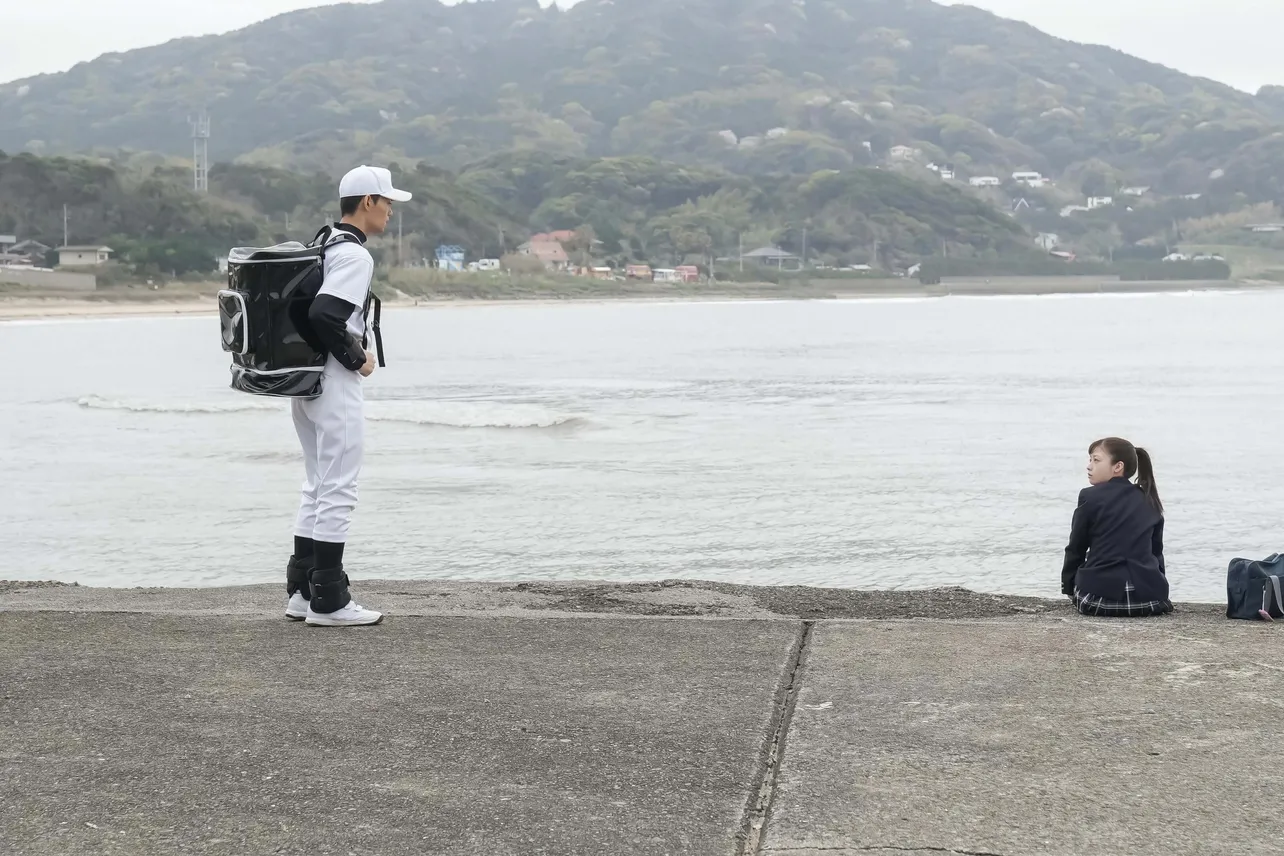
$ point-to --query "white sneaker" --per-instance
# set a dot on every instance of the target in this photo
(351, 615)
(297, 608)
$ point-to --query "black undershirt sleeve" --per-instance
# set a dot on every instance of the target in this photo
(329, 318)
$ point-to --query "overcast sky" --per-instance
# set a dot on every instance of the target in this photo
(1235, 41)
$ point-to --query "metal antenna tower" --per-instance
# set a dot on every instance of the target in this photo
(201, 151)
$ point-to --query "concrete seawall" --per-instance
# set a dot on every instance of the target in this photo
(48, 280)
(665, 718)
(1036, 286)
(1072, 285)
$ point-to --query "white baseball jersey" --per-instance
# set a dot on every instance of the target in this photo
(349, 267)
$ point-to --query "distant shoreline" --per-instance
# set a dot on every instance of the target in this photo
(23, 306)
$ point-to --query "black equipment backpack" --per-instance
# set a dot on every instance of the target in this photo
(264, 317)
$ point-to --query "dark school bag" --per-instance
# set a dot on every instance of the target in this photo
(263, 313)
(1255, 589)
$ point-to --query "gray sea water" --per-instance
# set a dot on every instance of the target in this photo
(866, 443)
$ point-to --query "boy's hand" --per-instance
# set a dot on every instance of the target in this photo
(369, 367)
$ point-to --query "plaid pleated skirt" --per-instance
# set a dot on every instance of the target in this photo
(1089, 604)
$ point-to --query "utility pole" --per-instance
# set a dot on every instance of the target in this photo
(401, 260)
(287, 222)
(804, 253)
(64, 226)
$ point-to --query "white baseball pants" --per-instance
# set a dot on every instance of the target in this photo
(331, 429)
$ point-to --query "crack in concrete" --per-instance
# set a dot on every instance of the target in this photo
(849, 848)
(758, 811)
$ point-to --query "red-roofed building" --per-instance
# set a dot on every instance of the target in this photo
(547, 250)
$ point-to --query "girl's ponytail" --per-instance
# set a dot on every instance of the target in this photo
(1146, 479)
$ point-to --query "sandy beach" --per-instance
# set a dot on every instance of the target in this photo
(27, 306)
(18, 309)
(23, 308)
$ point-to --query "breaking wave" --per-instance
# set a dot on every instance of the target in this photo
(457, 414)
(440, 414)
(98, 402)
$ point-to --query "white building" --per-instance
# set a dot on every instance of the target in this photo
(1027, 177)
(1047, 241)
(83, 256)
(1100, 202)
(985, 181)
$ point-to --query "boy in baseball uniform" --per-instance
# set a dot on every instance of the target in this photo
(331, 426)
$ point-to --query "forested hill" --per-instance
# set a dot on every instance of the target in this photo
(638, 208)
(751, 86)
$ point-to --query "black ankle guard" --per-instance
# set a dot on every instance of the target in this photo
(329, 590)
(296, 577)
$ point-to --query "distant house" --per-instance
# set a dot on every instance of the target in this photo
(638, 272)
(667, 275)
(83, 256)
(1047, 241)
(1072, 209)
(29, 248)
(24, 254)
(985, 181)
(1264, 228)
(550, 252)
(774, 256)
(1100, 202)
(903, 153)
(1135, 191)
(1028, 177)
(449, 257)
(689, 273)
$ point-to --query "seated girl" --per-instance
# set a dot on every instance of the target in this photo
(1115, 559)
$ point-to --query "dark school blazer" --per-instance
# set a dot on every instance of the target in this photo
(1116, 538)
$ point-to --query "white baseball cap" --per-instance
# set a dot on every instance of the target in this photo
(371, 181)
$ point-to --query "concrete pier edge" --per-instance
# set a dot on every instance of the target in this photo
(675, 716)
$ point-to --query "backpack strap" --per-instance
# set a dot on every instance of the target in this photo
(372, 325)
(330, 235)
